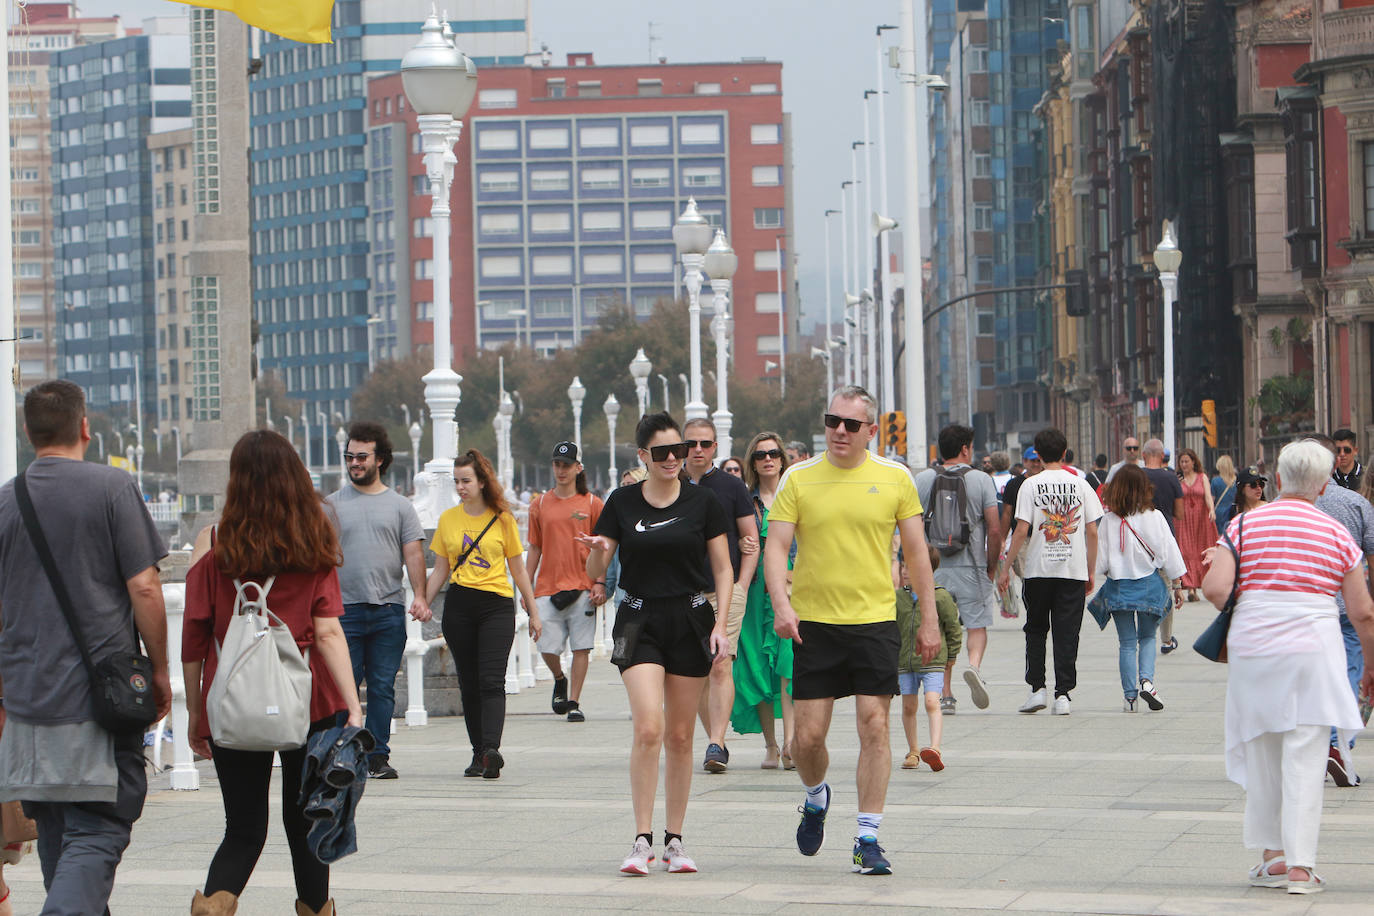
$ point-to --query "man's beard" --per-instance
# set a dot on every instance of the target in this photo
(367, 480)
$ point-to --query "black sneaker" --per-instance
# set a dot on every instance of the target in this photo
(1169, 646)
(477, 766)
(560, 695)
(716, 759)
(575, 713)
(379, 767)
(492, 761)
(811, 830)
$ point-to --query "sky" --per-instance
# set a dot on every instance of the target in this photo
(828, 51)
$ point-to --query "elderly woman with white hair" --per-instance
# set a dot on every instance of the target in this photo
(1287, 685)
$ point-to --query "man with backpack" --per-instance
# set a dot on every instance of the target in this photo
(961, 523)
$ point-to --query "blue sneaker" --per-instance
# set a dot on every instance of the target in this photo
(869, 858)
(717, 757)
(811, 830)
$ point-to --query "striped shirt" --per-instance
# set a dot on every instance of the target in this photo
(1292, 546)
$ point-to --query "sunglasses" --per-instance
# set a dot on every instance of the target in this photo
(357, 456)
(699, 443)
(773, 453)
(850, 424)
(660, 453)
(1345, 450)
(1132, 448)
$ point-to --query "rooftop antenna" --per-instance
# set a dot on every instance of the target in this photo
(653, 37)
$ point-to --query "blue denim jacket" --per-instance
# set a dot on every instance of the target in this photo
(332, 781)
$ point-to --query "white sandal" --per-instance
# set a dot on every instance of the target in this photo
(1261, 876)
(1314, 884)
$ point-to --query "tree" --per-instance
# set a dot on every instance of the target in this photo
(391, 384)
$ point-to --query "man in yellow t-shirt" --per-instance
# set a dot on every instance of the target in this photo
(842, 507)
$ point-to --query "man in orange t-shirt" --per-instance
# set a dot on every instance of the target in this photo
(558, 567)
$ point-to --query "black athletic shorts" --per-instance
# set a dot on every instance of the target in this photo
(672, 632)
(840, 660)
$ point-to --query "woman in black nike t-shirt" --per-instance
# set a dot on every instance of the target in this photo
(672, 548)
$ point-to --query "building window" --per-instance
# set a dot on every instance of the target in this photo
(1367, 148)
(768, 217)
(601, 221)
(766, 303)
(763, 88)
(649, 135)
(499, 223)
(603, 263)
(553, 306)
(701, 176)
(650, 176)
(556, 89)
(767, 344)
(982, 165)
(1300, 127)
(205, 376)
(589, 89)
(550, 221)
(551, 265)
(205, 113)
(550, 180)
(982, 218)
(496, 98)
(424, 311)
(424, 269)
(599, 136)
(767, 176)
(708, 89)
(650, 87)
(696, 133)
(549, 138)
(766, 259)
(765, 134)
(501, 265)
(652, 262)
(1238, 169)
(651, 220)
(601, 179)
(498, 181)
(981, 110)
(491, 139)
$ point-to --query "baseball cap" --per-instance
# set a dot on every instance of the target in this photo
(1030, 454)
(565, 451)
(1248, 476)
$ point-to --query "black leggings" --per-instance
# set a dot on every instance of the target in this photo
(479, 627)
(244, 780)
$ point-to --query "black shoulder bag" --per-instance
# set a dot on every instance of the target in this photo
(122, 699)
(463, 557)
(1211, 645)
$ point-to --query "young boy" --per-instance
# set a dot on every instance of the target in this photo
(914, 677)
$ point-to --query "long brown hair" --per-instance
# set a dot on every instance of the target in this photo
(751, 475)
(1129, 492)
(493, 494)
(273, 521)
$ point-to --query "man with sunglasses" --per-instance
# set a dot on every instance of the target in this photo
(1348, 471)
(1131, 445)
(743, 539)
(379, 531)
(842, 507)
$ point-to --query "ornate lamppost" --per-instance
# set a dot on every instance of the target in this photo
(720, 264)
(612, 409)
(692, 236)
(640, 367)
(577, 393)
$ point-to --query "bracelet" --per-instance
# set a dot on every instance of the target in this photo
(600, 582)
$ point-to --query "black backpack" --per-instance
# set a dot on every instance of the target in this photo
(946, 515)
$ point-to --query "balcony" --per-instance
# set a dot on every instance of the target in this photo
(1340, 33)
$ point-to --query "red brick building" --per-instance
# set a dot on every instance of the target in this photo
(569, 180)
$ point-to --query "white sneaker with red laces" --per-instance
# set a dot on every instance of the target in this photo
(675, 860)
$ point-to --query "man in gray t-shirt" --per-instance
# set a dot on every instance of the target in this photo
(82, 785)
(968, 575)
(379, 532)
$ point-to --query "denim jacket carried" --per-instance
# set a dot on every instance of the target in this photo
(332, 781)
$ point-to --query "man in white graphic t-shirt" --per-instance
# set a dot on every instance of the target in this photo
(1056, 520)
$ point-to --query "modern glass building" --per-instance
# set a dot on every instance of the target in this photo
(106, 99)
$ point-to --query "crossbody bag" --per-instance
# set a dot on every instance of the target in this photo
(1211, 645)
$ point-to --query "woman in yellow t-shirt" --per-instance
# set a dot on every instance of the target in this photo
(474, 544)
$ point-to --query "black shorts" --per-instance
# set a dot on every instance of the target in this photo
(672, 632)
(840, 660)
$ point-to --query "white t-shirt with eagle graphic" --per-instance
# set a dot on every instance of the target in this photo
(1058, 506)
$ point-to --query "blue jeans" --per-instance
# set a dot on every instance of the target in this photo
(376, 642)
(1137, 660)
(1354, 661)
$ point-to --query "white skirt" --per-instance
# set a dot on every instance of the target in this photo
(1275, 693)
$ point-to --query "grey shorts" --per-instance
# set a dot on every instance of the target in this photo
(972, 590)
(572, 625)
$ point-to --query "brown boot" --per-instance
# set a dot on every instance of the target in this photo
(326, 910)
(220, 903)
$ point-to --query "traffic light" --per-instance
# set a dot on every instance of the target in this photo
(1209, 422)
(894, 426)
(1076, 296)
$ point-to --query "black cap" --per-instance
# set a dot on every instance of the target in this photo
(1248, 476)
(565, 451)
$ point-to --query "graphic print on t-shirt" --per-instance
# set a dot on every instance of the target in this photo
(640, 526)
(473, 557)
(1062, 510)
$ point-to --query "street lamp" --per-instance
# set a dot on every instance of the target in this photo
(881, 226)
(323, 420)
(720, 266)
(416, 432)
(1167, 261)
(100, 441)
(305, 436)
(577, 392)
(686, 387)
(440, 82)
(853, 358)
(612, 409)
(664, 379)
(640, 367)
(290, 430)
(176, 435)
(829, 321)
(692, 236)
(341, 440)
(507, 410)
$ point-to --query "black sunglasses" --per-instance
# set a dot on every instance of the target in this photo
(1345, 450)
(767, 453)
(357, 456)
(659, 453)
(1132, 448)
(850, 424)
(699, 443)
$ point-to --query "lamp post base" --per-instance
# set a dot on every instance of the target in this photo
(724, 421)
(696, 410)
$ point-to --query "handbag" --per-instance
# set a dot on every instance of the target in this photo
(1211, 644)
(260, 697)
(122, 700)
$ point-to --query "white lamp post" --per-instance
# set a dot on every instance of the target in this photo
(138, 453)
(720, 265)
(341, 440)
(1167, 261)
(664, 379)
(290, 430)
(686, 387)
(612, 409)
(692, 236)
(829, 320)
(416, 433)
(324, 441)
(440, 82)
(507, 410)
(884, 262)
(640, 367)
(844, 280)
(100, 441)
(305, 435)
(576, 394)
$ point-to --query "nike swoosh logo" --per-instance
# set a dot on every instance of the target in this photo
(640, 526)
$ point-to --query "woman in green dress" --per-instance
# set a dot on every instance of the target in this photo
(763, 661)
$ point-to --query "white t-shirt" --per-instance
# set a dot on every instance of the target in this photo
(1121, 556)
(1057, 506)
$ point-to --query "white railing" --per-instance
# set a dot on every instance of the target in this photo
(165, 513)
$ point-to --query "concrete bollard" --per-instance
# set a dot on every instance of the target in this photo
(184, 776)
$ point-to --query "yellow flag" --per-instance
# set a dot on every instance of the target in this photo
(300, 20)
(118, 462)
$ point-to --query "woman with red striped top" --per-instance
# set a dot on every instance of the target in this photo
(1287, 685)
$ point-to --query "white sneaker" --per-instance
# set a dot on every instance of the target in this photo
(1150, 695)
(1128, 704)
(637, 862)
(675, 860)
(1061, 706)
(977, 687)
(1035, 702)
